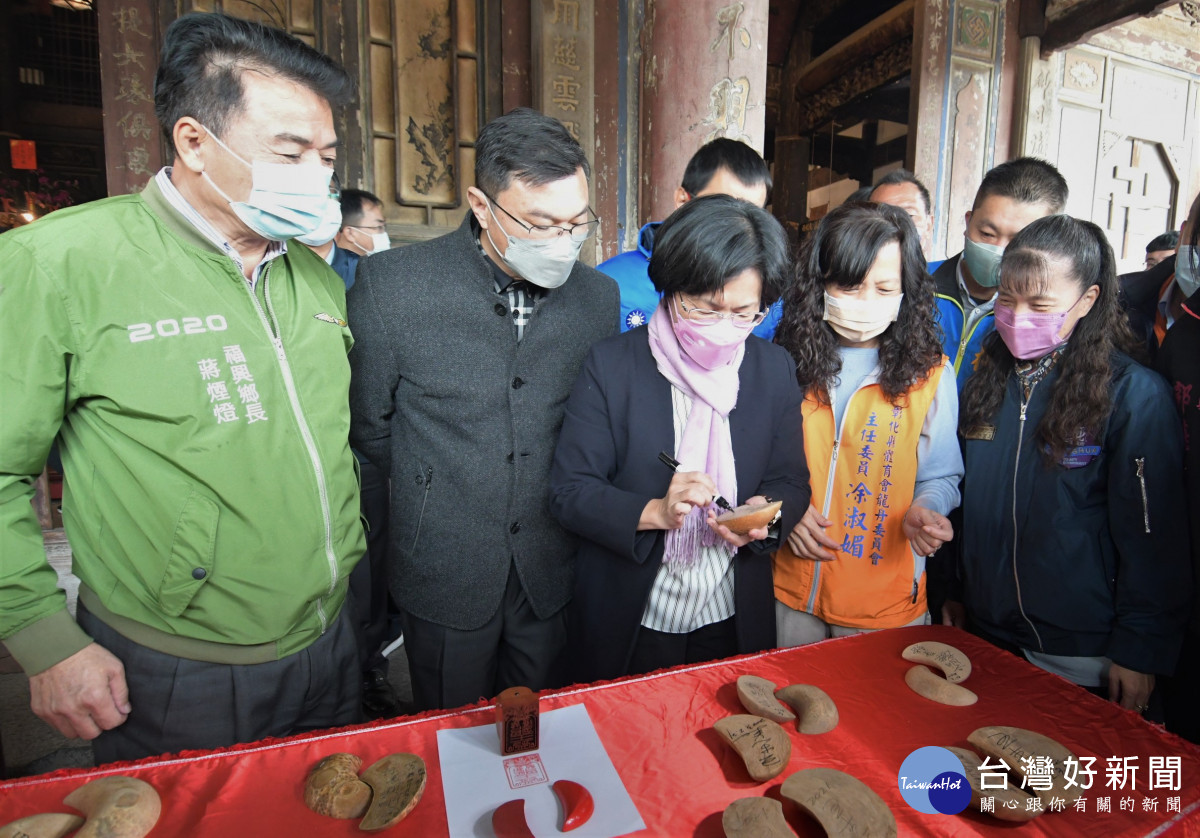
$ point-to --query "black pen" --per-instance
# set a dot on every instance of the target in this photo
(673, 464)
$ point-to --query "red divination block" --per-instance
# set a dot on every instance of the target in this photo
(517, 720)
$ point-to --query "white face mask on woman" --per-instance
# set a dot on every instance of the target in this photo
(860, 320)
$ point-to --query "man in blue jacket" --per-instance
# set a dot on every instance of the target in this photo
(720, 167)
(1011, 196)
(902, 189)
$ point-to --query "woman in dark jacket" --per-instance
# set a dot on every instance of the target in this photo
(1074, 541)
(658, 581)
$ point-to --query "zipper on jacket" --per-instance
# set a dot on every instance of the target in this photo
(1026, 395)
(274, 333)
(424, 500)
(966, 338)
(833, 459)
(1141, 476)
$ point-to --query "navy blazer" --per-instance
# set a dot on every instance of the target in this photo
(606, 470)
(345, 263)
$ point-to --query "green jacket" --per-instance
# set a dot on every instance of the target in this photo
(210, 495)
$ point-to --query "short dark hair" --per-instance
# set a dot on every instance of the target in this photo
(861, 195)
(710, 240)
(1164, 241)
(533, 148)
(1026, 180)
(354, 204)
(204, 56)
(898, 176)
(743, 162)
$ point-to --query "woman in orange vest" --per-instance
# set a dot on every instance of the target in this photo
(880, 417)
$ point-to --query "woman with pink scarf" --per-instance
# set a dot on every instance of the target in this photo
(658, 581)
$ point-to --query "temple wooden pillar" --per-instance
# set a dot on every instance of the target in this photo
(964, 78)
(704, 75)
(130, 39)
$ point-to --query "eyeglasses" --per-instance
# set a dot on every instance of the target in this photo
(376, 228)
(577, 232)
(745, 319)
(335, 187)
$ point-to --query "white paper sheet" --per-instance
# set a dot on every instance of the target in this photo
(476, 778)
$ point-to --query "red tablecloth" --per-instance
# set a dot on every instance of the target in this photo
(657, 730)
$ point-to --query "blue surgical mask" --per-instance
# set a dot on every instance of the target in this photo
(546, 263)
(984, 261)
(286, 200)
(331, 222)
(1186, 275)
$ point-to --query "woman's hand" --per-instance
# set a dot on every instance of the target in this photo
(687, 489)
(808, 537)
(1130, 689)
(732, 538)
(926, 530)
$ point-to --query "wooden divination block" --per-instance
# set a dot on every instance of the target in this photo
(761, 743)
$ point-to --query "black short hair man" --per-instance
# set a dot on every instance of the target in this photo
(360, 231)
(466, 348)
(1011, 196)
(719, 167)
(901, 188)
(1179, 362)
(1153, 299)
(192, 366)
(1160, 247)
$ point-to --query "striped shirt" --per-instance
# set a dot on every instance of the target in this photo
(685, 598)
(206, 229)
(522, 296)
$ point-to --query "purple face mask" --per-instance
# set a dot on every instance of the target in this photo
(1031, 336)
(710, 345)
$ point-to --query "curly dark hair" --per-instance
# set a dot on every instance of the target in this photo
(1081, 400)
(842, 250)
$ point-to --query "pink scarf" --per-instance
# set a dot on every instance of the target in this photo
(705, 444)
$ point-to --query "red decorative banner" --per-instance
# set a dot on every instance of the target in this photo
(24, 154)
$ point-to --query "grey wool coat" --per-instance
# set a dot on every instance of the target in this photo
(465, 419)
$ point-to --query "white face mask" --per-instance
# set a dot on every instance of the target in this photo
(860, 320)
(331, 222)
(546, 264)
(380, 242)
(286, 199)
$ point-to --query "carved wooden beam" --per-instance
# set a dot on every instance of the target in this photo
(813, 12)
(1087, 17)
(872, 72)
(1031, 18)
(858, 48)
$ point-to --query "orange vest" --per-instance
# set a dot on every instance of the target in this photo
(864, 486)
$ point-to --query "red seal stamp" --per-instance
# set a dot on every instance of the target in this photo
(525, 771)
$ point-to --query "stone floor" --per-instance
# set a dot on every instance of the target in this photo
(30, 746)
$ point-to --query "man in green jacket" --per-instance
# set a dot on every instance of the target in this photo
(192, 365)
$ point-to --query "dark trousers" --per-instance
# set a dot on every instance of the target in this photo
(1181, 692)
(451, 667)
(180, 704)
(368, 580)
(658, 650)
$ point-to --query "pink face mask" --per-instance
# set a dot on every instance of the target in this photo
(711, 345)
(1031, 336)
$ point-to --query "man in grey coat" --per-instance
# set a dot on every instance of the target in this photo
(466, 348)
